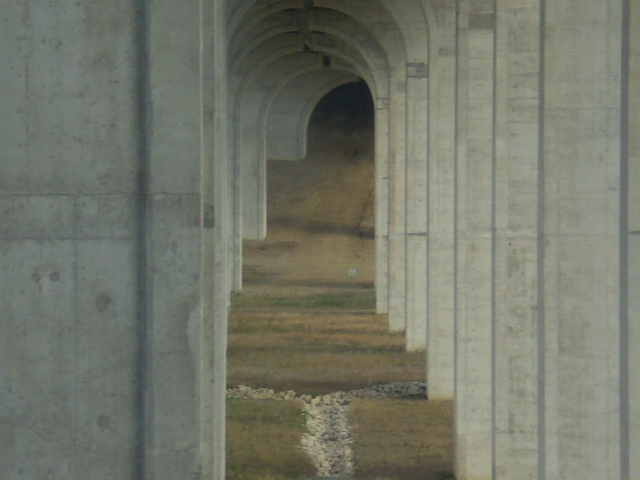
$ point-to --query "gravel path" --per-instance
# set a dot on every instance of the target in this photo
(328, 442)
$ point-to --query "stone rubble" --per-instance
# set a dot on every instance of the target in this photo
(328, 442)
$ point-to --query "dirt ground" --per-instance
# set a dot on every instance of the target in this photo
(320, 213)
(321, 228)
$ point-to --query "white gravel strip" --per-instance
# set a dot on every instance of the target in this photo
(328, 442)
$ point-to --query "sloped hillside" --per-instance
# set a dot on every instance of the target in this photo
(320, 209)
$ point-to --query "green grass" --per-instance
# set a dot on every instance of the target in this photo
(264, 442)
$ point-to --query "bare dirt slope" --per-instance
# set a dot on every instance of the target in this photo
(320, 213)
(289, 328)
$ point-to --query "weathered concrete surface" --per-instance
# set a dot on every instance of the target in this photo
(542, 312)
(106, 357)
(68, 226)
(288, 117)
(582, 137)
(631, 249)
(474, 228)
(507, 206)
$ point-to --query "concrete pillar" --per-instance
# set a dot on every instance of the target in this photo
(250, 147)
(396, 205)
(631, 250)
(546, 327)
(475, 222)
(441, 205)
(582, 138)
(216, 236)
(69, 241)
(518, 247)
(382, 122)
(417, 168)
(113, 342)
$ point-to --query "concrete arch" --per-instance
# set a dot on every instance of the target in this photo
(299, 108)
(404, 92)
(256, 60)
(334, 23)
(237, 10)
(403, 32)
(393, 44)
(252, 122)
(275, 43)
(291, 110)
(265, 27)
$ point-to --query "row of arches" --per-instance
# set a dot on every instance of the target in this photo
(282, 58)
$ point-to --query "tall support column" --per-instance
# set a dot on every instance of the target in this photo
(187, 254)
(631, 250)
(217, 238)
(381, 140)
(70, 240)
(112, 341)
(475, 240)
(417, 211)
(518, 249)
(396, 201)
(582, 240)
(441, 191)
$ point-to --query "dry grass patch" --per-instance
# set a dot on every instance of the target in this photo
(262, 440)
(402, 439)
(356, 299)
(318, 352)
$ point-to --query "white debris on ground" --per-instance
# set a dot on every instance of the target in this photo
(328, 441)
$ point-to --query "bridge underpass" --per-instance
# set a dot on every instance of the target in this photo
(135, 136)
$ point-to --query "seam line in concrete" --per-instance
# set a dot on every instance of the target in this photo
(494, 122)
(625, 465)
(540, 251)
(142, 218)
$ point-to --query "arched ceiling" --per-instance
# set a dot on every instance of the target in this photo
(392, 35)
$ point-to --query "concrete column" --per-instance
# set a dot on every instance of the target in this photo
(69, 241)
(382, 122)
(186, 253)
(582, 137)
(250, 146)
(397, 204)
(110, 369)
(631, 203)
(416, 205)
(288, 117)
(441, 191)
(518, 248)
(216, 235)
(475, 170)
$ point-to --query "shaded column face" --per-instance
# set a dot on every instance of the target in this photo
(517, 423)
(631, 251)
(102, 333)
(475, 226)
(323, 205)
(553, 289)
(582, 159)
(68, 241)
